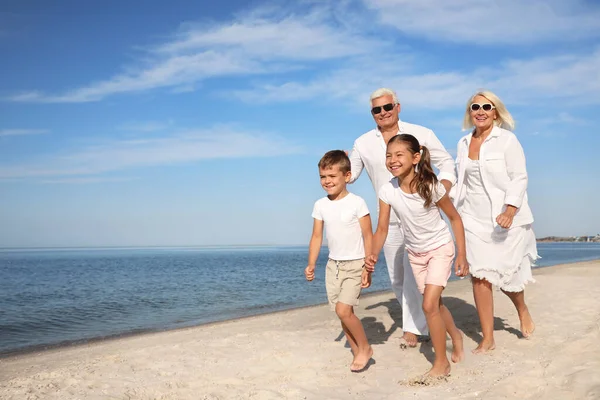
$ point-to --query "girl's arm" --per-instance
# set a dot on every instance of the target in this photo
(316, 240)
(380, 234)
(367, 232)
(461, 267)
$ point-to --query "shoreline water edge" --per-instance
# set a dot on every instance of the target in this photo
(301, 354)
(141, 332)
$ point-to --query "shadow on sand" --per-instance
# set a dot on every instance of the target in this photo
(465, 317)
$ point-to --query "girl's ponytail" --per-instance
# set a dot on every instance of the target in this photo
(425, 180)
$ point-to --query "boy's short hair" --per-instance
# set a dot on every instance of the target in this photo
(335, 157)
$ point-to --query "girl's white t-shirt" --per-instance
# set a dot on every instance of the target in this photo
(424, 228)
(342, 229)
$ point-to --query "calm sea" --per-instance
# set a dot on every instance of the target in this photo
(52, 297)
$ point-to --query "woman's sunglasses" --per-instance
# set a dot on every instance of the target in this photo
(486, 107)
(386, 107)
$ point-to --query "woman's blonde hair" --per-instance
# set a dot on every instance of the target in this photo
(503, 117)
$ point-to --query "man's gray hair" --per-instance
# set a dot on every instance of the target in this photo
(384, 92)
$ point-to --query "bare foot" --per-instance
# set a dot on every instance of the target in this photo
(439, 370)
(361, 360)
(527, 325)
(484, 346)
(458, 351)
(408, 340)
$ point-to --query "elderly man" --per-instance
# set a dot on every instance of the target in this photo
(369, 152)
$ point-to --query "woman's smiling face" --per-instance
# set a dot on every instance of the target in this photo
(482, 119)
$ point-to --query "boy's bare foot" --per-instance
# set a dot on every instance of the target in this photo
(484, 346)
(527, 325)
(361, 360)
(408, 340)
(439, 370)
(458, 350)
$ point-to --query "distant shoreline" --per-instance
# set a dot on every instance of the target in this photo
(573, 239)
(548, 239)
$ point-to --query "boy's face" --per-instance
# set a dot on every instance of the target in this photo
(333, 180)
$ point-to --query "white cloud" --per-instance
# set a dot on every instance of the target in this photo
(86, 180)
(491, 22)
(145, 126)
(571, 79)
(167, 72)
(307, 37)
(256, 44)
(574, 77)
(183, 147)
(342, 57)
(563, 118)
(20, 132)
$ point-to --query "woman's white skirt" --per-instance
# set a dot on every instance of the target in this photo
(503, 257)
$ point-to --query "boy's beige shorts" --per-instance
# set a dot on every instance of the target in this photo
(343, 281)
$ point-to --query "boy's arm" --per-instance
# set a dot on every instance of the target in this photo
(316, 240)
(367, 233)
(460, 265)
(380, 234)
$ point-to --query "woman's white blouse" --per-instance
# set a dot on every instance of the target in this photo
(503, 172)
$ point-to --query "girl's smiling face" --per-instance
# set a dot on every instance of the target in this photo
(400, 160)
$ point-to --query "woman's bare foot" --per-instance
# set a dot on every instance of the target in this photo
(438, 371)
(408, 340)
(361, 359)
(458, 350)
(527, 325)
(484, 346)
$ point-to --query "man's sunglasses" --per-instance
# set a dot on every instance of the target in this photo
(486, 107)
(386, 107)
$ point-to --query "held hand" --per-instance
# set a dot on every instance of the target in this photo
(461, 266)
(365, 279)
(370, 262)
(309, 272)
(506, 218)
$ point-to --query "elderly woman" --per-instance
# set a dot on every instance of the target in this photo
(491, 197)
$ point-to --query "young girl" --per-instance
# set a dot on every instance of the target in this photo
(416, 197)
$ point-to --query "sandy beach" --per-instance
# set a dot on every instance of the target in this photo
(301, 354)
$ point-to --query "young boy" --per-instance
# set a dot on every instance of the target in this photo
(349, 234)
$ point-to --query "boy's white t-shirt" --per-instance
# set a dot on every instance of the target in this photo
(342, 229)
(424, 228)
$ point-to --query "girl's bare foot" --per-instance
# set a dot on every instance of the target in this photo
(458, 351)
(527, 325)
(484, 346)
(438, 371)
(361, 359)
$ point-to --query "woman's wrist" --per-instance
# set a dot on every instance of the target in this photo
(510, 209)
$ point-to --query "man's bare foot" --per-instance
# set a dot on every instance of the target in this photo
(458, 350)
(527, 325)
(484, 346)
(439, 370)
(361, 360)
(408, 340)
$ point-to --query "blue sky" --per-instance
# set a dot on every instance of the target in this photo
(189, 123)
